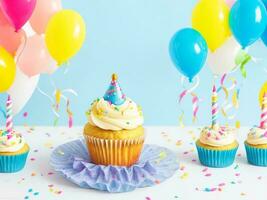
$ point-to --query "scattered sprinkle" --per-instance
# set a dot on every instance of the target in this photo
(184, 176)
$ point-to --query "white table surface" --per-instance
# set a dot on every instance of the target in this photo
(192, 181)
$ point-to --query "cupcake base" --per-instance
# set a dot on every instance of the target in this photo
(14, 162)
(256, 156)
(124, 152)
(216, 158)
(150, 170)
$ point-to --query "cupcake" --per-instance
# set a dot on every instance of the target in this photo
(217, 145)
(114, 133)
(13, 149)
(256, 143)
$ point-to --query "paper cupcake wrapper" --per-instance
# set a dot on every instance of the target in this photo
(72, 160)
(114, 152)
(216, 158)
(256, 156)
(12, 163)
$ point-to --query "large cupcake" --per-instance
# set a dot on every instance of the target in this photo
(13, 149)
(114, 132)
(217, 145)
(256, 143)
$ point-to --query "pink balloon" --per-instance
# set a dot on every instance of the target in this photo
(230, 3)
(43, 11)
(11, 40)
(17, 12)
(35, 58)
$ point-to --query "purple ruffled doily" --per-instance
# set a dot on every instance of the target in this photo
(156, 164)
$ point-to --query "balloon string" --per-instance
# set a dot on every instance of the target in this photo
(195, 99)
(21, 51)
(3, 112)
(54, 108)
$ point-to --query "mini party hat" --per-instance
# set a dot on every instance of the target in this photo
(114, 94)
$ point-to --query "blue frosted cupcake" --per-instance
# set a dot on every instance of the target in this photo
(13, 152)
(217, 147)
(256, 146)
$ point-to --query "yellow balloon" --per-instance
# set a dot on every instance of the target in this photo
(65, 34)
(262, 91)
(7, 70)
(211, 19)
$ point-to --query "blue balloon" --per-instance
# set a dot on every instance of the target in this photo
(188, 51)
(248, 20)
(264, 35)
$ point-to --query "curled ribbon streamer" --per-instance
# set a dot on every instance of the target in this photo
(195, 102)
(226, 106)
(195, 99)
(70, 114)
(241, 60)
(56, 101)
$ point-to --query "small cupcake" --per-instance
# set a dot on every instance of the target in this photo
(13, 149)
(114, 133)
(217, 145)
(256, 143)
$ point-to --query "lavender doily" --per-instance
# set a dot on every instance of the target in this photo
(155, 165)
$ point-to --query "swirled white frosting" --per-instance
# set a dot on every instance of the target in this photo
(257, 136)
(11, 143)
(217, 137)
(111, 117)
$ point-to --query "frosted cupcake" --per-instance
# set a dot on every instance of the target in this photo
(13, 149)
(114, 133)
(217, 145)
(256, 143)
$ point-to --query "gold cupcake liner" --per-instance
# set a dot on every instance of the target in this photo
(123, 152)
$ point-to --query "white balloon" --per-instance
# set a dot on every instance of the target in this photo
(223, 59)
(22, 90)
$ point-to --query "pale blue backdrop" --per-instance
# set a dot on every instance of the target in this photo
(130, 37)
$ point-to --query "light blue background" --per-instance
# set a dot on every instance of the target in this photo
(130, 37)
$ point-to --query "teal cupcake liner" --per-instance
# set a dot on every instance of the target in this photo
(256, 156)
(216, 158)
(12, 163)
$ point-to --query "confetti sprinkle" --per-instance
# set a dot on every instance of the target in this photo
(30, 193)
(25, 114)
(54, 190)
(209, 174)
(184, 176)
(236, 167)
(50, 173)
(33, 174)
(205, 169)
